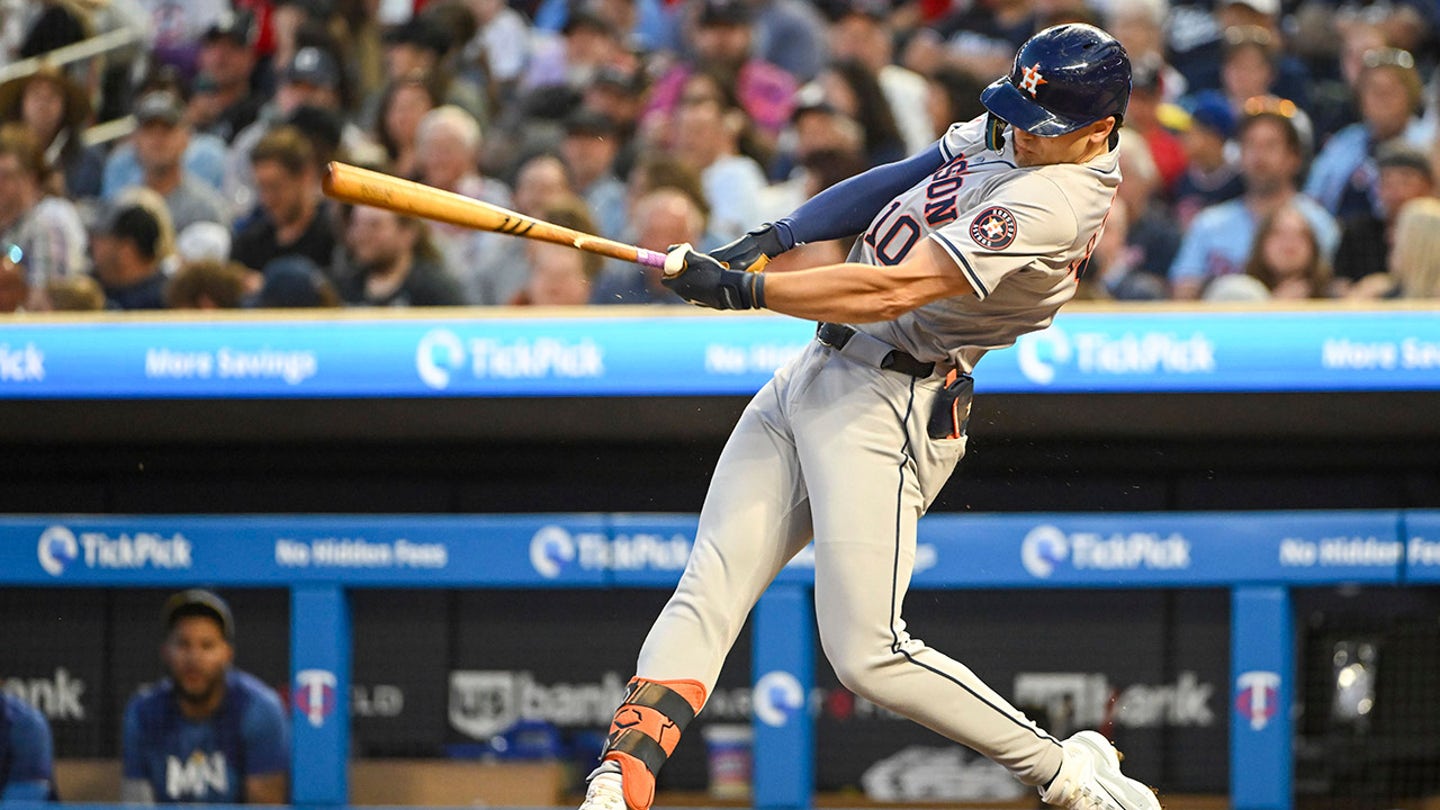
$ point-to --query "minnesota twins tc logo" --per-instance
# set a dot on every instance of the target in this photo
(1032, 79)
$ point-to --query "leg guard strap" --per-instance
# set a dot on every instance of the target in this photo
(645, 731)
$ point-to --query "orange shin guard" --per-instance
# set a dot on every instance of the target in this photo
(646, 728)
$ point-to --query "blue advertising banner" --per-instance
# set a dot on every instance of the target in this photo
(415, 551)
(638, 550)
(691, 355)
(1157, 549)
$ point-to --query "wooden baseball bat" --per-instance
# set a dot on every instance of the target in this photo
(353, 184)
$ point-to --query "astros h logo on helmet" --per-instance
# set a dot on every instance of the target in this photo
(1032, 79)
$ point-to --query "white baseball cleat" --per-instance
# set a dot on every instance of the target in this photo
(604, 793)
(1090, 779)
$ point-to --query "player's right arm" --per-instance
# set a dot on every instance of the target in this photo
(849, 292)
(862, 293)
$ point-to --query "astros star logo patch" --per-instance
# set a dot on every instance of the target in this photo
(994, 228)
(1031, 80)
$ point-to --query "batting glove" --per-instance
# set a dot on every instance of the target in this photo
(703, 281)
(752, 251)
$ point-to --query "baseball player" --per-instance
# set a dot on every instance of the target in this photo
(208, 733)
(964, 247)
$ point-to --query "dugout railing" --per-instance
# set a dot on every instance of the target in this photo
(1260, 557)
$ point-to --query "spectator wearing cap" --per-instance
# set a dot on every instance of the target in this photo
(1344, 177)
(209, 732)
(204, 157)
(311, 79)
(591, 144)
(1220, 237)
(222, 102)
(722, 40)
(46, 228)
(161, 137)
(293, 215)
(862, 32)
(1211, 175)
(128, 259)
(392, 263)
(619, 95)
(56, 109)
(816, 128)
(1405, 175)
(27, 748)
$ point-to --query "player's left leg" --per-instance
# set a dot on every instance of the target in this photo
(870, 479)
(869, 484)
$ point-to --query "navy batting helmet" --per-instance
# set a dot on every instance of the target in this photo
(1064, 78)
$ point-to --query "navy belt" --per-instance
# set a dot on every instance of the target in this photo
(871, 349)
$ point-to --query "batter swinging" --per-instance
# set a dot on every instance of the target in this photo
(965, 247)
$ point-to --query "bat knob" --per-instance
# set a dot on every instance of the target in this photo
(675, 259)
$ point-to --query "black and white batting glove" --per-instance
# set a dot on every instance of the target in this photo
(752, 251)
(703, 281)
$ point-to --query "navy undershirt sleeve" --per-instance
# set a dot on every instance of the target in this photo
(847, 207)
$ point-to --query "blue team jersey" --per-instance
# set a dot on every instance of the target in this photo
(206, 760)
(27, 753)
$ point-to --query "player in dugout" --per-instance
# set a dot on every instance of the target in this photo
(27, 752)
(208, 732)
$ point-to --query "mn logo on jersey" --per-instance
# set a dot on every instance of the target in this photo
(994, 228)
(194, 777)
(1031, 79)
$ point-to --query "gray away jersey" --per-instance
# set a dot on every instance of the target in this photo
(1018, 234)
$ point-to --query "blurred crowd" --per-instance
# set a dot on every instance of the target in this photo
(172, 158)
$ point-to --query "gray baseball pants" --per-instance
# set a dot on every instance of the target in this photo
(837, 449)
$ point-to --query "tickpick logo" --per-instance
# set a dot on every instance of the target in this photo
(1259, 697)
(1044, 548)
(439, 353)
(778, 697)
(1040, 352)
(550, 549)
(315, 694)
(58, 548)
